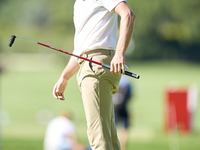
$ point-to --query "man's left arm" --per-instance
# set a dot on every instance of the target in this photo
(125, 35)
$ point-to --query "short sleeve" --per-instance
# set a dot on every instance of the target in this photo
(110, 4)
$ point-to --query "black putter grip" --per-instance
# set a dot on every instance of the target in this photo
(12, 39)
(132, 74)
(126, 72)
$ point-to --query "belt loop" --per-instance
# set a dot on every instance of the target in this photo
(80, 61)
(112, 52)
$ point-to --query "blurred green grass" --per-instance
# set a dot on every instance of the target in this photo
(26, 93)
(27, 82)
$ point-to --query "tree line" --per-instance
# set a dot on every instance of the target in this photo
(163, 29)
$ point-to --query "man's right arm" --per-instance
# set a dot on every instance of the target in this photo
(59, 88)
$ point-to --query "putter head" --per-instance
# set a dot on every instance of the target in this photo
(12, 39)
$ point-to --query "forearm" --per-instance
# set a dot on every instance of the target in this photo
(71, 68)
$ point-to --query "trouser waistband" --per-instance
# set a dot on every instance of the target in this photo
(99, 52)
(95, 52)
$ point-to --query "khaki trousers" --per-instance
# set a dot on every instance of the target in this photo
(97, 85)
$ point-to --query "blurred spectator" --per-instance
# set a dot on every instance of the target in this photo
(120, 100)
(60, 134)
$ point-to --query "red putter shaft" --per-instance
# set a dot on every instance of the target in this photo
(98, 63)
(13, 37)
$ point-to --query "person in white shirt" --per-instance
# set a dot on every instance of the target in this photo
(96, 38)
(60, 133)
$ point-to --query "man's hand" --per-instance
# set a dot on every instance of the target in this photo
(67, 73)
(59, 89)
(117, 64)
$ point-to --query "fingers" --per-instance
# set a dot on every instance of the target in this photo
(59, 89)
(61, 97)
(117, 68)
(123, 69)
(117, 64)
(57, 93)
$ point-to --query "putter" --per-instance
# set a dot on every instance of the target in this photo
(13, 37)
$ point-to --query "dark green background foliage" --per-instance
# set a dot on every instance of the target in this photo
(164, 29)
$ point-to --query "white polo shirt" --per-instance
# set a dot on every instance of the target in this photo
(95, 25)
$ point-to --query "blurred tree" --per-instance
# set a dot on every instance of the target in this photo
(2, 1)
(163, 29)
